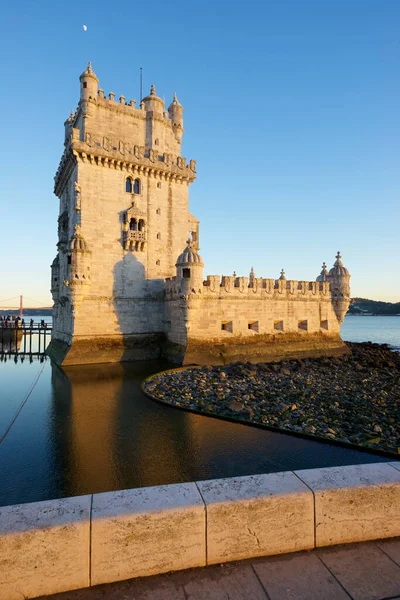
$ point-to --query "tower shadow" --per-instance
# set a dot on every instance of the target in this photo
(139, 310)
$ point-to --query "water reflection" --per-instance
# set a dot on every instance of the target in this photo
(90, 429)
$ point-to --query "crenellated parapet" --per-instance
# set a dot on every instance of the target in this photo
(104, 151)
(229, 286)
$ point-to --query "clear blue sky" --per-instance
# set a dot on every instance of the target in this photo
(291, 110)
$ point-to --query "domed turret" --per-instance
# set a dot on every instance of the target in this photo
(55, 278)
(79, 263)
(189, 269)
(339, 278)
(323, 276)
(89, 83)
(153, 103)
(175, 111)
(338, 270)
(78, 242)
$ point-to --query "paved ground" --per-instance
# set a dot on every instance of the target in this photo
(368, 571)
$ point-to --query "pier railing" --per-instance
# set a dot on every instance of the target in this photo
(24, 338)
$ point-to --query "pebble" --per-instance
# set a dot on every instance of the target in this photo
(353, 398)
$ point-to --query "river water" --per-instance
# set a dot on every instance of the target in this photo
(90, 429)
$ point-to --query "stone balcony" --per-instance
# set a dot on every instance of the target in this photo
(135, 236)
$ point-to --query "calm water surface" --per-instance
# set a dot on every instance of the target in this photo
(90, 429)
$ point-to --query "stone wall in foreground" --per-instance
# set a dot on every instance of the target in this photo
(61, 545)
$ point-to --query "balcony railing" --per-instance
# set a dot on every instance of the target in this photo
(135, 236)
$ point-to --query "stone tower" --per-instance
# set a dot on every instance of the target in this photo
(123, 219)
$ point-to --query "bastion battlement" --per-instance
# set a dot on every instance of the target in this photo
(233, 286)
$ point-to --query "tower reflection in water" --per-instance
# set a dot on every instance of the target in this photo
(110, 436)
(106, 435)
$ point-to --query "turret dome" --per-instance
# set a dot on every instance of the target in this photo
(323, 276)
(78, 242)
(175, 102)
(338, 269)
(189, 256)
(89, 72)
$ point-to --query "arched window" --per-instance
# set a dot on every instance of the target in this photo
(136, 186)
(128, 185)
(141, 225)
(133, 225)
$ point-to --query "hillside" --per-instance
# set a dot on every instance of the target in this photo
(361, 306)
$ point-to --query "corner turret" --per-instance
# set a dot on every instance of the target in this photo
(323, 276)
(89, 83)
(175, 111)
(153, 104)
(55, 279)
(68, 127)
(79, 263)
(339, 278)
(189, 270)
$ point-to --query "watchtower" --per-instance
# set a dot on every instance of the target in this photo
(123, 186)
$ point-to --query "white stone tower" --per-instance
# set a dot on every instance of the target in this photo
(124, 217)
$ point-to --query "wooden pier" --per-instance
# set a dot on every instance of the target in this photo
(24, 339)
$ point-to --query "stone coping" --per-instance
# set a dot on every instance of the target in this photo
(234, 419)
(62, 545)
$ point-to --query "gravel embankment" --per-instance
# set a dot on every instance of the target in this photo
(353, 398)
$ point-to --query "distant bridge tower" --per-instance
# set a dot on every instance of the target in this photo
(21, 310)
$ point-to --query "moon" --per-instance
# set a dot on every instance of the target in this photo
(84, 28)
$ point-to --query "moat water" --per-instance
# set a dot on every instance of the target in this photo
(90, 429)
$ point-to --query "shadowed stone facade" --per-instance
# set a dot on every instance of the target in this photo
(119, 291)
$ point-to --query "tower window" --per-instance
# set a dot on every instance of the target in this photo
(324, 324)
(156, 142)
(85, 84)
(69, 259)
(158, 211)
(159, 236)
(128, 185)
(136, 186)
(159, 185)
(186, 273)
(278, 325)
(158, 262)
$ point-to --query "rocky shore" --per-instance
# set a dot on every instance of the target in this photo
(353, 398)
